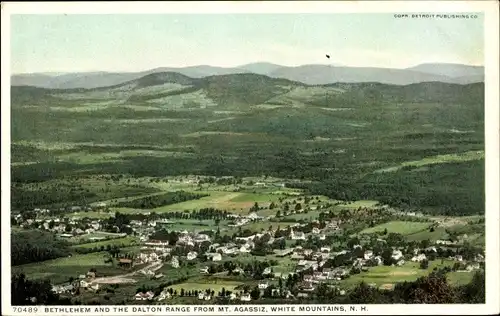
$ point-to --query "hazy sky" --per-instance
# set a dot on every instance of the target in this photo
(63, 43)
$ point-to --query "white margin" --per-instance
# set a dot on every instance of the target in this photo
(492, 139)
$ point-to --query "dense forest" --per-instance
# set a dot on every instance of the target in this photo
(34, 246)
(155, 201)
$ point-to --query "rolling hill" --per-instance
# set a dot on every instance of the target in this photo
(339, 135)
(308, 74)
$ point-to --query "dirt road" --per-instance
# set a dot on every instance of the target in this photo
(127, 278)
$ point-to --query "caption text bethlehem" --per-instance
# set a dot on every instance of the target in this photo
(204, 309)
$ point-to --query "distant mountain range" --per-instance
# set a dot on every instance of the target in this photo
(308, 74)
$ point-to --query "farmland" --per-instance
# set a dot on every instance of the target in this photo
(60, 270)
(386, 276)
(399, 227)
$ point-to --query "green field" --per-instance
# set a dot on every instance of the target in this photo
(466, 156)
(310, 215)
(399, 227)
(387, 275)
(60, 270)
(459, 278)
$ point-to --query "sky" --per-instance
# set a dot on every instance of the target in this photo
(119, 42)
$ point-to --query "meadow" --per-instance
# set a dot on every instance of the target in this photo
(399, 227)
(387, 276)
(61, 269)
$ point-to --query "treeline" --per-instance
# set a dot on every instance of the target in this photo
(155, 201)
(34, 246)
(425, 191)
(201, 214)
(30, 292)
(56, 195)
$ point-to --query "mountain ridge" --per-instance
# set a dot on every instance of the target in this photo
(309, 74)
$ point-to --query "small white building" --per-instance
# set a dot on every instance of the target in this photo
(297, 235)
(245, 297)
(421, 257)
(397, 254)
(174, 262)
(192, 255)
(217, 257)
(263, 285)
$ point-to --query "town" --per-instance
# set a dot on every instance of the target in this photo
(288, 246)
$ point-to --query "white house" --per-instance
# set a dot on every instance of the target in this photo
(192, 255)
(163, 295)
(325, 249)
(174, 262)
(263, 285)
(297, 236)
(140, 297)
(204, 270)
(473, 266)
(379, 260)
(230, 251)
(244, 249)
(245, 297)
(253, 216)
(368, 254)
(421, 257)
(217, 257)
(149, 295)
(315, 230)
(397, 254)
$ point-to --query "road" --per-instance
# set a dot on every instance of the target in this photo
(127, 278)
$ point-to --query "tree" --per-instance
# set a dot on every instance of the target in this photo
(387, 256)
(385, 231)
(298, 207)
(474, 292)
(255, 293)
(68, 228)
(365, 294)
(424, 264)
(431, 289)
(29, 292)
(255, 207)
(272, 206)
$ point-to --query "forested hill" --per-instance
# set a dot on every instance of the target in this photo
(355, 139)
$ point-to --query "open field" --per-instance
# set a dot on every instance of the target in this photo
(400, 227)
(230, 201)
(383, 275)
(60, 270)
(466, 156)
(459, 278)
